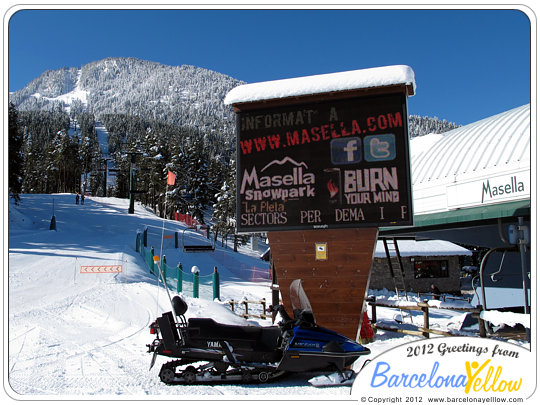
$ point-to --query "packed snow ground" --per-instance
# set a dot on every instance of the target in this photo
(73, 334)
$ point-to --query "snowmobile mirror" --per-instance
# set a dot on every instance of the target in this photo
(179, 305)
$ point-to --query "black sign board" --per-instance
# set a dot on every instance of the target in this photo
(328, 164)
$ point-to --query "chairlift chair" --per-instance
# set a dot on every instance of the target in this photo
(196, 247)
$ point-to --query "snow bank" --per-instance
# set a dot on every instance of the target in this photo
(450, 304)
(301, 86)
(397, 303)
(413, 300)
(511, 319)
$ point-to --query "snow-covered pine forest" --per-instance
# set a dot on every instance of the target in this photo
(166, 117)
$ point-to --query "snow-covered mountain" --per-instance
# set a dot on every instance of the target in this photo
(184, 95)
(181, 95)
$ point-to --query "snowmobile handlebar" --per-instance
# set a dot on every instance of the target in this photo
(274, 309)
(301, 317)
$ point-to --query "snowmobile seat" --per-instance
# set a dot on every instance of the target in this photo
(263, 338)
(203, 328)
(269, 338)
(179, 305)
(168, 329)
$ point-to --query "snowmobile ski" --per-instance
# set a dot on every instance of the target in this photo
(337, 379)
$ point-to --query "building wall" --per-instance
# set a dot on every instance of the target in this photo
(381, 278)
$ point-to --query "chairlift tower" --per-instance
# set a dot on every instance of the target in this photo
(131, 209)
(105, 173)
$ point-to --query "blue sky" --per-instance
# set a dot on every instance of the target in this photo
(468, 64)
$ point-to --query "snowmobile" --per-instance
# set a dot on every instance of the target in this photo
(205, 351)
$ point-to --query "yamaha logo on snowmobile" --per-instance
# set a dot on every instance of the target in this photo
(215, 345)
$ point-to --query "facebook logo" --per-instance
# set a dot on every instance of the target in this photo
(346, 150)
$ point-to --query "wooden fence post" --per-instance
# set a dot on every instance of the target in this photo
(425, 310)
(481, 324)
(373, 310)
(246, 309)
(263, 302)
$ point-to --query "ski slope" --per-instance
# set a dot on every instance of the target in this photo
(73, 334)
(76, 335)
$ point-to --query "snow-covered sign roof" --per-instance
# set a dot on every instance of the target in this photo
(410, 248)
(317, 84)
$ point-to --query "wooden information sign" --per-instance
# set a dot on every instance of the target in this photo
(329, 164)
(320, 172)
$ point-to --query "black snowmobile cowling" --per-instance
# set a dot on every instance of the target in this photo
(215, 352)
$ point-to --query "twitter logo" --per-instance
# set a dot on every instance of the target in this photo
(379, 147)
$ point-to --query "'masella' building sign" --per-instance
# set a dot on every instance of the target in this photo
(512, 187)
(498, 188)
(327, 164)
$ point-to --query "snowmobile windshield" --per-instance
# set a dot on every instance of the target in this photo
(299, 299)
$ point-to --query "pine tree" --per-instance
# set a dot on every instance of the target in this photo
(153, 171)
(63, 163)
(224, 209)
(15, 157)
(89, 150)
(196, 173)
(34, 170)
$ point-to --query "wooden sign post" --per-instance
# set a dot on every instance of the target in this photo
(335, 287)
(320, 171)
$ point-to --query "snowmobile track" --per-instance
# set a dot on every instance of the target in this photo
(219, 375)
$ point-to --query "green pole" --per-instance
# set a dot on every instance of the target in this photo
(215, 284)
(179, 279)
